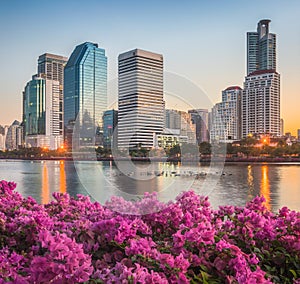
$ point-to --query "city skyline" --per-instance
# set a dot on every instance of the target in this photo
(194, 38)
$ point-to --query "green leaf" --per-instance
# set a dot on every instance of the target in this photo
(204, 277)
(294, 273)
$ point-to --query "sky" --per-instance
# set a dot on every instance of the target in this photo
(202, 41)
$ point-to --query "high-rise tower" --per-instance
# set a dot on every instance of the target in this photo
(141, 104)
(261, 94)
(261, 48)
(51, 67)
(85, 91)
(42, 115)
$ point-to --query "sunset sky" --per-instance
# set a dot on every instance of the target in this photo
(203, 41)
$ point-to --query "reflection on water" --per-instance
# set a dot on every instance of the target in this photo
(55, 175)
(238, 184)
(62, 177)
(265, 185)
(45, 185)
(250, 182)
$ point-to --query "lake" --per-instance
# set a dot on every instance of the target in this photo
(235, 184)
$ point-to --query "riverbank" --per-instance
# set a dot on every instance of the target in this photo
(166, 159)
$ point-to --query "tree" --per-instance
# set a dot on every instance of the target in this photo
(205, 148)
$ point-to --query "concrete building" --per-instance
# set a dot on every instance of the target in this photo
(3, 131)
(169, 138)
(281, 127)
(182, 121)
(85, 94)
(261, 104)
(226, 116)
(172, 119)
(298, 134)
(14, 136)
(140, 100)
(165, 140)
(51, 67)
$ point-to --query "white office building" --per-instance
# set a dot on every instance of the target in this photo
(141, 104)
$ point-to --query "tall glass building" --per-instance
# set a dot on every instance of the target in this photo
(35, 107)
(261, 48)
(41, 113)
(110, 120)
(85, 92)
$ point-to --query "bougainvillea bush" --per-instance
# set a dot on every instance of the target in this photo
(74, 240)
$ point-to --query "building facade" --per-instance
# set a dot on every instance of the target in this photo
(226, 116)
(51, 67)
(14, 136)
(281, 127)
(200, 119)
(182, 121)
(110, 121)
(140, 100)
(85, 93)
(172, 119)
(261, 48)
(261, 104)
(42, 116)
(2, 137)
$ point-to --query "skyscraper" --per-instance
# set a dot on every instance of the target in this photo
(261, 94)
(42, 113)
(51, 67)
(43, 104)
(261, 48)
(261, 104)
(141, 104)
(110, 120)
(85, 92)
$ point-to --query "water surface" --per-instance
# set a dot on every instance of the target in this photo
(236, 184)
